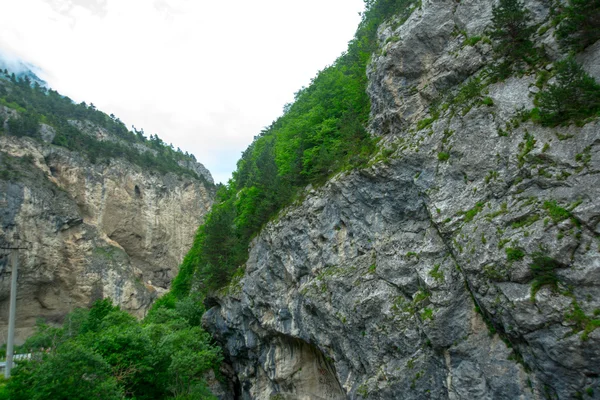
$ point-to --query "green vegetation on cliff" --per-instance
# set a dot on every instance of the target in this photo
(35, 104)
(322, 132)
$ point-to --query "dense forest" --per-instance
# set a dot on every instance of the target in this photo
(37, 104)
(321, 133)
(324, 130)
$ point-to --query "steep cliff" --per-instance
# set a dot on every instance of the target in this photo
(90, 230)
(462, 263)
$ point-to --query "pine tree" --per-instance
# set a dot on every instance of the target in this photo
(580, 24)
(511, 29)
(574, 97)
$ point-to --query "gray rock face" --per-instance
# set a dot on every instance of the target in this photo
(470, 276)
(91, 230)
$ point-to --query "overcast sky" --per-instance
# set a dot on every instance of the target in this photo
(206, 76)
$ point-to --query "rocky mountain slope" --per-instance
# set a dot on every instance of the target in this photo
(462, 263)
(107, 228)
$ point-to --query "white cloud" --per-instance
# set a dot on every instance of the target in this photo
(206, 76)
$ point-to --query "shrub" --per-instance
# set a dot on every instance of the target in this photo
(556, 212)
(581, 322)
(543, 270)
(514, 254)
(574, 97)
(73, 372)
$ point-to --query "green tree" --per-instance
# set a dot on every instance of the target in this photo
(320, 133)
(192, 357)
(579, 24)
(512, 31)
(25, 124)
(72, 372)
(574, 97)
(166, 356)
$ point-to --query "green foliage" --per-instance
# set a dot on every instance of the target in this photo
(511, 29)
(579, 24)
(443, 156)
(71, 372)
(526, 221)
(105, 353)
(581, 322)
(525, 146)
(436, 274)
(36, 104)
(424, 123)
(25, 124)
(473, 40)
(321, 133)
(488, 101)
(556, 212)
(514, 254)
(543, 269)
(472, 213)
(574, 97)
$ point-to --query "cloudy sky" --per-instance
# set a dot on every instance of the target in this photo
(206, 76)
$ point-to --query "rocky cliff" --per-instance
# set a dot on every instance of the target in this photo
(90, 230)
(462, 263)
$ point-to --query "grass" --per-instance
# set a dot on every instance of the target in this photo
(424, 123)
(525, 221)
(556, 212)
(470, 214)
(581, 322)
(436, 274)
(473, 40)
(526, 146)
(427, 313)
(514, 254)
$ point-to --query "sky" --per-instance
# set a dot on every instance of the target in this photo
(206, 76)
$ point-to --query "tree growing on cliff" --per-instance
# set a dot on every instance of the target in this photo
(574, 97)
(579, 24)
(512, 32)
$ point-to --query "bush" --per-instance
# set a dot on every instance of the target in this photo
(105, 353)
(574, 97)
(72, 372)
(514, 254)
(543, 270)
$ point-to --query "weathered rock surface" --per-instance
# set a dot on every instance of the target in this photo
(415, 277)
(90, 230)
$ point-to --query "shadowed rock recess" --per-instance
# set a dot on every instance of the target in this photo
(91, 231)
(462, 263)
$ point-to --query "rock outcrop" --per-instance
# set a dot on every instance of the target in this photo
(109, 229)
(463, 263)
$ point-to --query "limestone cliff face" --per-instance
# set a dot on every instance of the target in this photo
(415, 277)
(90, 230)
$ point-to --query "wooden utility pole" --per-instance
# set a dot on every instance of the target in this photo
(14, 256)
